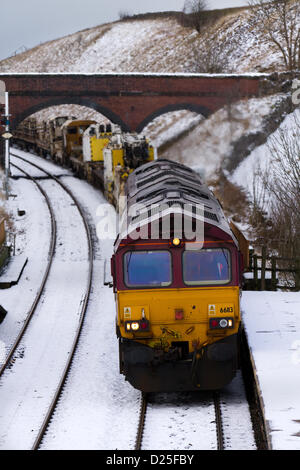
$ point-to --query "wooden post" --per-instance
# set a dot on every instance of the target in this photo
(263, 268)
(250, 261)
(273, 265)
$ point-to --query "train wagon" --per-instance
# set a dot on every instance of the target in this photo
(177, 295)
(42, 137)
(102, 154)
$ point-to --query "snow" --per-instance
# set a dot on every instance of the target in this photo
(272, 321)
(168, 414)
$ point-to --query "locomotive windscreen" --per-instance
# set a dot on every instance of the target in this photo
(206, 267)
(148, 268)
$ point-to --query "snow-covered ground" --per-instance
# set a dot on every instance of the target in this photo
(272, 321)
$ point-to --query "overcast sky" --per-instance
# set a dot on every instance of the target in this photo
(27, 23)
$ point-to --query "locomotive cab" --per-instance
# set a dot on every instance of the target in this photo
(72, 132)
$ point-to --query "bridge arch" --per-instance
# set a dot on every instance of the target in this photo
(203, 110)
(105, 111)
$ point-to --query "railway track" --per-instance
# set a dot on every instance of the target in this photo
(51, 405)
(37, 298)
(218, 422)
(196, 421)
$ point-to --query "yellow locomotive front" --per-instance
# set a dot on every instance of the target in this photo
(178, 313)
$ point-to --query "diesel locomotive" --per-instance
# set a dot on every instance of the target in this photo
(177, 295)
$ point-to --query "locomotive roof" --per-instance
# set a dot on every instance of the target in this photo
(168, 184)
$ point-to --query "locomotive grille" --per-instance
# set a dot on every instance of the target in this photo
(162, 191)
(159, 166)
(161, 175)
(176, 204)
(211, 215)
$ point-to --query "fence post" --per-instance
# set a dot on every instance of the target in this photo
(263, 268)
(250, 259)
(274, 280)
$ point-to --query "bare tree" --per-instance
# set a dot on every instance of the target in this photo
(279, 21)
(195, 9)
(209, 59)
(278, 190)
(124, 15)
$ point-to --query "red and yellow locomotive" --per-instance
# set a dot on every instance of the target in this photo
(177, 295)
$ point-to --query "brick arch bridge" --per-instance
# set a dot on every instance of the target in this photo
(131, 100)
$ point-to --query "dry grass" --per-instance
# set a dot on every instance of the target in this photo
(232, 197)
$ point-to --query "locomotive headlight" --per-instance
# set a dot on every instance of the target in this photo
(176, 241)
(141, 326)
(223, 323)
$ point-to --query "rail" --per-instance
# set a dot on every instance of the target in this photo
(219, 424)
(140, 431)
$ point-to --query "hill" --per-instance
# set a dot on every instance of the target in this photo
(155, 43)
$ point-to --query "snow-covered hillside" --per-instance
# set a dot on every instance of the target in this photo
(157, 44)
(260, 158)
(210, 142)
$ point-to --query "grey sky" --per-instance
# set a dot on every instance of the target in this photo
(30, 22)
